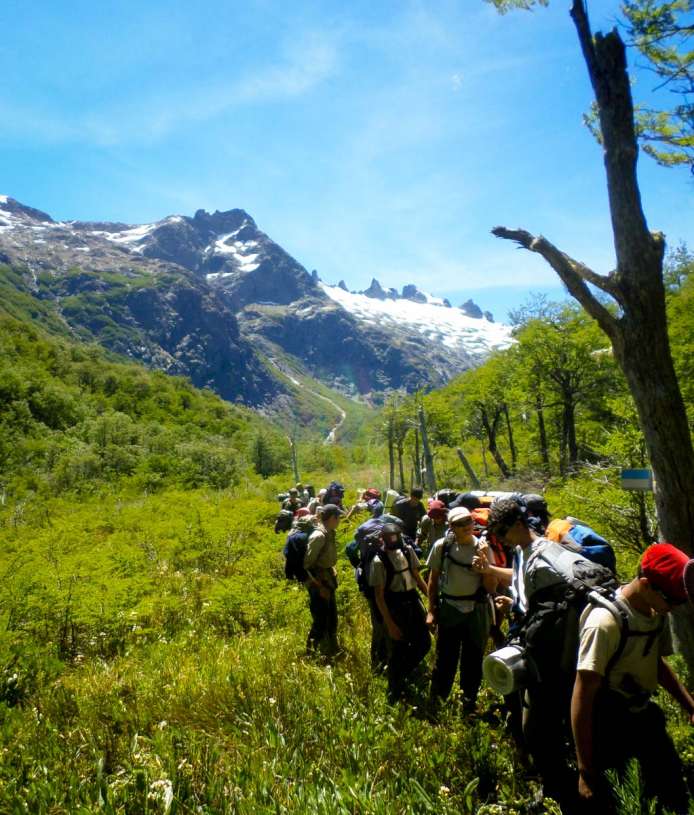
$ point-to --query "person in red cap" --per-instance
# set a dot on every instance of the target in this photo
(433, 526)
(620, 665)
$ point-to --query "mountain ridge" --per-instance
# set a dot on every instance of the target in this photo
(213, 297)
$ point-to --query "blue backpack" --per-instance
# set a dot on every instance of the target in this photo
(582, 539)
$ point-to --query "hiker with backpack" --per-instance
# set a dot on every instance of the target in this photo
(321, 582)
(369, 501)
(316, 502)
(433, 525)
(360, 552)
(293, 501)
(459, 609)
(410, 511)
(395, 579)
(620, 665)
(334, 494)
(295, 545)
(550, 587)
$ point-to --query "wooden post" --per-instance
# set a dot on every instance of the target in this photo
(428, 458)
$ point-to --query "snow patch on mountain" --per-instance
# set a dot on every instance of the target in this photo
(433, 320)
(237, 250)
(128, 237)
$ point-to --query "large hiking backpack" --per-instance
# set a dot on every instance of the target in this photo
(375, 547)
(581, 538)
(283, 522)
(294, 551)
(334, 494)
(559, 583)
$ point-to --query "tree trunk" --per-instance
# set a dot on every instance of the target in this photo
(484, 459)
(401, 469)
(471, 474)
(568, 420)
(639, 332)
(295, 463)
(417, 457)
(391, 456)
(428, 457)
(544, 447)
(512, 446)
(491, 429)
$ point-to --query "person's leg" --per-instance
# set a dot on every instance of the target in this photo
(379, 649)
(545, 732)
(332, 646)
(319, 611)
(397, 655)
(661, 767)
(418, 637)
(475, 632)
(448, 642)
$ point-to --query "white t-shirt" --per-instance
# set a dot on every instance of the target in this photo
(634, 671)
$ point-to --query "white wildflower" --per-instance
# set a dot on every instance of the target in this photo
(162, 790)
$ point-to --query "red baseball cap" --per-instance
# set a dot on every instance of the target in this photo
(302, 512)
(664, 566)
(437, 509)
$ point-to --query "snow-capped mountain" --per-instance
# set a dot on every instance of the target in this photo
(436, 321)
(213, 297)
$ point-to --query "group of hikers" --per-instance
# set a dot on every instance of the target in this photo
(577, 656)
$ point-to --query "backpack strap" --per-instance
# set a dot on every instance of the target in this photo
(615, 607)
(391, 571)
(479, 595)
(446, 555)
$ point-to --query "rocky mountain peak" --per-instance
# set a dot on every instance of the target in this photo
(471, 309)
(14, 208)
(411, 292)
(375, 290)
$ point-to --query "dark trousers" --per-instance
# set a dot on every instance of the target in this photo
(404, 655)
(323, 633)
(460, 642)
(621, 735)
(547, 736)
(379, 645)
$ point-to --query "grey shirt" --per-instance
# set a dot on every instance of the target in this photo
(455, 579)
(403, 579)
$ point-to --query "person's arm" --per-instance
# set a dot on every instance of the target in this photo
(585, 690)
(502, 575)
(393, 631)
(433, 595)
(668, 680)
(490, 582)
(419, 580)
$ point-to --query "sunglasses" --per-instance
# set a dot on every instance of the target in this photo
(462, 523)
(669, 600)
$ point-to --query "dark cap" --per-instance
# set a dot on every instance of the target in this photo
(390, 529)
(330, 511)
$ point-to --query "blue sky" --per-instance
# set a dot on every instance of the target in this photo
(369, 139)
